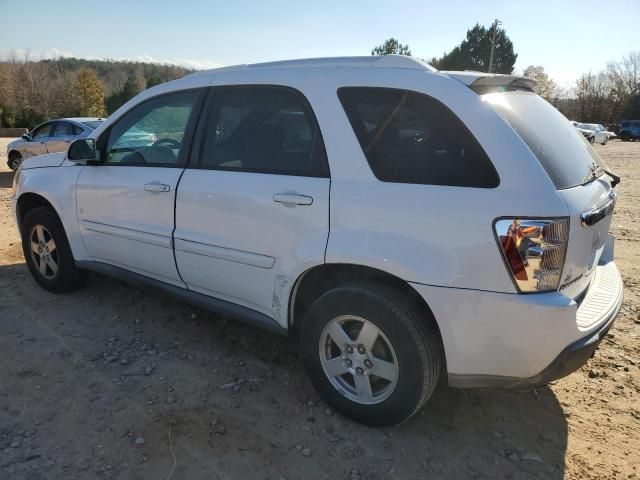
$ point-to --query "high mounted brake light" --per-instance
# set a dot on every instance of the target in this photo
(533, 251)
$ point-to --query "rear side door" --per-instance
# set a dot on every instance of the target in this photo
(126, 203)
(252, 211)
(62, 135)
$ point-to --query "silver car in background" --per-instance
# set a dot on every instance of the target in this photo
(593, 132)
(49, 137)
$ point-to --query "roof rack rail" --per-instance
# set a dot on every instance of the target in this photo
(384, 61)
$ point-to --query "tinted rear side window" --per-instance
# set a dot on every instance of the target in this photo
(263, 129)
(561, 149)
(409, 137)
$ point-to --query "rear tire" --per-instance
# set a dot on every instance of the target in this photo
(47, 252)
(605, 141)
(386, 360)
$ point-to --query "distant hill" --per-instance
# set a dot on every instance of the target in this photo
(114, 74)
(34, 91)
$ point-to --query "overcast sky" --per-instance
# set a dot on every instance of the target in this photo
(566, 37)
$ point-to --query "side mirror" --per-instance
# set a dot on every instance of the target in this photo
(83, 151)
(25, 136)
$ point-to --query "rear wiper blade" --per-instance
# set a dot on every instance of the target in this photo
(592, 175)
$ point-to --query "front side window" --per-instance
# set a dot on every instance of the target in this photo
(409, 137)
(152, 133)
(262, 129)
(42, 132)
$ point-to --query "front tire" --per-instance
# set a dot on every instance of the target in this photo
(370, 353)
(15, 159)
(47, 252)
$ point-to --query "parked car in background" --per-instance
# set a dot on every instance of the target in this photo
(403, 224)
(606, 130)
(135, 138)
(629, 130)
(49, 137)
(592, 132)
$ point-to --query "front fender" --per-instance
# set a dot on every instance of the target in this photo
(42, 161)
(57, 185)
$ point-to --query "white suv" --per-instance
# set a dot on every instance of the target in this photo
(403, 223)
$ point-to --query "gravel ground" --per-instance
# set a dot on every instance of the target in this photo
(115, 382)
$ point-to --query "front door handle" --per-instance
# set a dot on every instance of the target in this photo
(292, 199)
(157, 187)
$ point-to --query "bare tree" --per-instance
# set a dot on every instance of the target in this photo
(545, 86)
(593, 92)
(625, 74)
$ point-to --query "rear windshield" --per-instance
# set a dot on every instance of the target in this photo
(93, 124)
(560, 148)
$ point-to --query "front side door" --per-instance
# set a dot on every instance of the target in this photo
(126, 203)
(255, 211)
(39, 139)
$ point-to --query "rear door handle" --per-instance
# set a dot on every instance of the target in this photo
(157, 187)
(292, 199)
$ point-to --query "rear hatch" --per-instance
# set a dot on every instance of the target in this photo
(575, 169)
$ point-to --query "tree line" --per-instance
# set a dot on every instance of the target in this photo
(34, 91)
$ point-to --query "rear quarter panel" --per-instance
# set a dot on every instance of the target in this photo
(434, 235)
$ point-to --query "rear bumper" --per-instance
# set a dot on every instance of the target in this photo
(522, 341)
(570, 359)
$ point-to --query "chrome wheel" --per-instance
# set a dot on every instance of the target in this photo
(358, 359)
(43, 252)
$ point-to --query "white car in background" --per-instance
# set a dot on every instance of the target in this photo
(609, 133)
(593, 132)
(403, 224)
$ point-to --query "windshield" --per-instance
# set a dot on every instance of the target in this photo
(93, 124)
(562, 150)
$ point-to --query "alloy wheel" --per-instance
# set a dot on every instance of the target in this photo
(358, 360)
(44, 253)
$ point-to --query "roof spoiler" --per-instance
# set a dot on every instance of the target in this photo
(481, 82)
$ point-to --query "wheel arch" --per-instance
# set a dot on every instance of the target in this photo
(28, 201)
(319, 279)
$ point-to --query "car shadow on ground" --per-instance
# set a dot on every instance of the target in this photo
(6, 179)
(149, 378)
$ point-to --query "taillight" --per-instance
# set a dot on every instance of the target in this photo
(534, 251)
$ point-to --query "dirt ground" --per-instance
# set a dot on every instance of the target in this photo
(114, 382)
